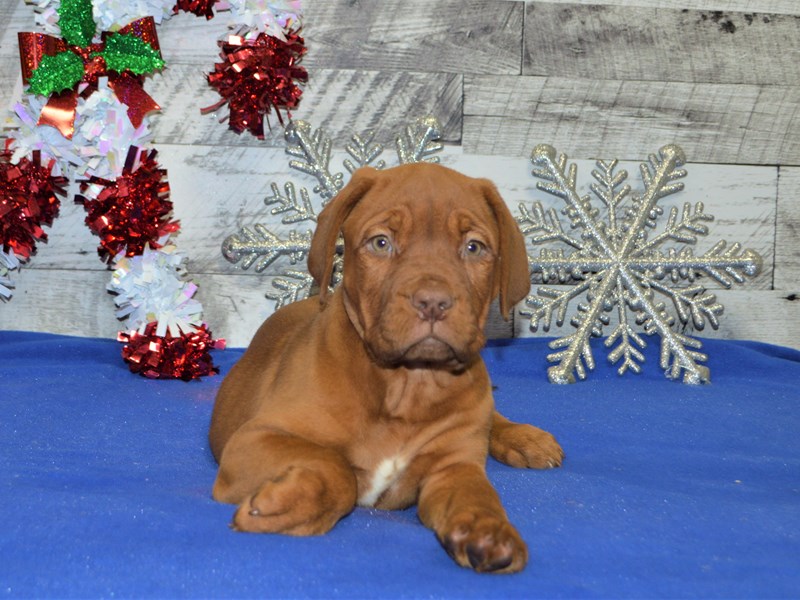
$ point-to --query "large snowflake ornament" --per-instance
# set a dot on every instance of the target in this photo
(620, 267)
(311, 152)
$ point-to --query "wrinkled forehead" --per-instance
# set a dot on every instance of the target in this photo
(439, 198)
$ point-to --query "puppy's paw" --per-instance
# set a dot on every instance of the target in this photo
(298, 502)
(525, 446)
(485, 543)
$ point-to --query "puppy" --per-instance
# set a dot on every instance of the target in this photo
(375, 394)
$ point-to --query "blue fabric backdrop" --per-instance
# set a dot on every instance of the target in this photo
(667, 490)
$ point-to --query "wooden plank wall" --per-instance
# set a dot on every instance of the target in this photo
(597, 80)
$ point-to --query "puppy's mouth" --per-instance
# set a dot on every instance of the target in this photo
(430, 352)
(430, 349)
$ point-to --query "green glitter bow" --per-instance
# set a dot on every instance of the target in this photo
(51, 65)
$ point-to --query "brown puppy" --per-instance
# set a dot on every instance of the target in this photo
(376, 394)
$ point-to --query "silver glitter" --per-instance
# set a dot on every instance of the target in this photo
(312, 154)
(263, 247)
(293, 286)
(364, 152)
(618, 269)
(419, 141)
(288, 204)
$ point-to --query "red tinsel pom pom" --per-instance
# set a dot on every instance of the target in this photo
(185, 357)
(202, 8)
(257, 76)
(27, 201)
(131, 211)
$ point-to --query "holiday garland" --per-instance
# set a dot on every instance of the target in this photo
(85, 118)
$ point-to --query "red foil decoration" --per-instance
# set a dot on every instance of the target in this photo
(185, 357)
(128, 90)
(201, 8)
(131, 211)
(257, 76)
(35, 46)
(28, 199)
(59, 112)
(144, 29)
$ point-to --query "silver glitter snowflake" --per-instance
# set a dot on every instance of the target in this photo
(621, 270)
(311, 154)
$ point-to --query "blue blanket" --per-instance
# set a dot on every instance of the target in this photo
(667, 490)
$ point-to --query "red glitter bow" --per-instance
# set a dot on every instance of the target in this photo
(59, 112)
(27, 201)
(256, 76)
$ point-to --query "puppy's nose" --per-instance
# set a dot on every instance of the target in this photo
(432, 303)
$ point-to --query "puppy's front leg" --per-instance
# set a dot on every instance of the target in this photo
(284, 484)
(464, 510)
(523, 446)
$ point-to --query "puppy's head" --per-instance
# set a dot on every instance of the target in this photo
(427, 249)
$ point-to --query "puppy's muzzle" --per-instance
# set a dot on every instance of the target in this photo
(431, 338)
(423, 319)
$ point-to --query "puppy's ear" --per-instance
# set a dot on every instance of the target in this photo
(329, 224)
(515, 277)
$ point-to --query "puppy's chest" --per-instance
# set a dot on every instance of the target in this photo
(383, 478)
(396, 450)
(388, 471)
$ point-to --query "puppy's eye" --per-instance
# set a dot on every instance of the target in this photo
(380, 244)
(474, 248)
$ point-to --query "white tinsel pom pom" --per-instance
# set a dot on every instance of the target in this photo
(151, 287)
(111, 15)
(104, 133)
(264, 16)
(99, 145)
(46, 15)
(27, 136)
(8, 262)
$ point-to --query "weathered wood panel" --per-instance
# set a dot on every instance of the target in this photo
(715, 123)
(71, 302)
(454, 36)
(69, 237)
(9, 73)
(188, 39)
(461, 36)
(787, 235)
(344, 101)
(788, 7)
(636, 43)
(15, 16)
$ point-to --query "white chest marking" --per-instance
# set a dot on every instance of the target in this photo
(387, 473)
